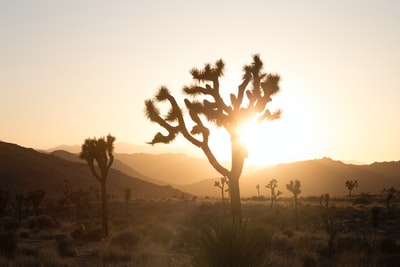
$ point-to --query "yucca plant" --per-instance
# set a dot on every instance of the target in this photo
(233, 244)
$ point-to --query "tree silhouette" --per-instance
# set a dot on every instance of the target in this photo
(294, 187)
(101, 151)
(35, 198)
(221, 186)
(258, 190)
(4, 196)
(207, 105)
(350, 184)
(390, 193)
(272, 185)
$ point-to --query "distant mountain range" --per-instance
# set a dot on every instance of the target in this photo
(26, 168)
(23, 169)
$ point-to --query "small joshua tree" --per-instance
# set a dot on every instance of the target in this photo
(350, 184)
(258, 190)
(390, 192)
(101, 151)
(328, 221)
(4, 196)
(127, 197)
(206, 106)
(271, 186)
(221, 185)
(19, 199)
(294, 187)
(35, 198)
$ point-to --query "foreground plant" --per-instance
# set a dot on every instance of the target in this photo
(228, 243)
(207, 105)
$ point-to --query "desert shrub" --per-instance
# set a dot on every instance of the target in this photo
(389, 245)
(50, 258)
(41, 223)
(9, 224)
(94, 233)
(184, 237)
(281, 242)
(363, 199)
(3, 261)
(228, 243)
(27, 250)
(161, 234)
(8, 243)
(125, 240)
(65, 245)
(114, 256)
(27, 261)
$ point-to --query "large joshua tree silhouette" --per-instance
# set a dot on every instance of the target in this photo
(207, 105)
(101, 151)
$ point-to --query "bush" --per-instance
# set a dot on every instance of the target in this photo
(232, 244)
(8, 243)
(41, 223)
(65, 246)
(125, 240)
(161, 234)
(49, 258)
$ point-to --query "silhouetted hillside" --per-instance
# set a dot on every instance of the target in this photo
(24, 169)
(327, 176)
(170, 168)
(117, 164)
(317, 177)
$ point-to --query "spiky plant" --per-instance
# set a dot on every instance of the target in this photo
(294, 187)
(328, 221)
(228, 243)
(221, 185)
(98, 153)
(271, 186)
(350, 185)
(208, 106)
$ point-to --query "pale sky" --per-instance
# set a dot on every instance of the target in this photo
(76, 69)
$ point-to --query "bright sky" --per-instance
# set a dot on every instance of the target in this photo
(76, 69)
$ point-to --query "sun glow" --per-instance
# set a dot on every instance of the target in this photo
(260, 141)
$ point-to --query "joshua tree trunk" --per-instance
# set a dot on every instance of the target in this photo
(239, 153)
(236, 206)
(296, 212)
(104, 210)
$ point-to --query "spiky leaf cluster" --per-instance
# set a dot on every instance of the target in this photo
(99, 150)
(294, 187)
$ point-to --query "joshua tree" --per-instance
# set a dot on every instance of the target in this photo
(294, 187)
(350, 184)
(127, 197)
(208, 106)
(328, 221)
(80, 199)
(4, 196)
(221, 186)
(272, 185)
(65, 190)
(258, 190)
(35, 198)
(101, 151)
(19, 199)
(390, 192)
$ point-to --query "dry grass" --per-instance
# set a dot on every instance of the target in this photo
(167, 233)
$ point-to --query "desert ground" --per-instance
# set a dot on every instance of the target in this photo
(190, 231)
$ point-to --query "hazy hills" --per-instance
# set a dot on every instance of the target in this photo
(24, 169)
(324, 176)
